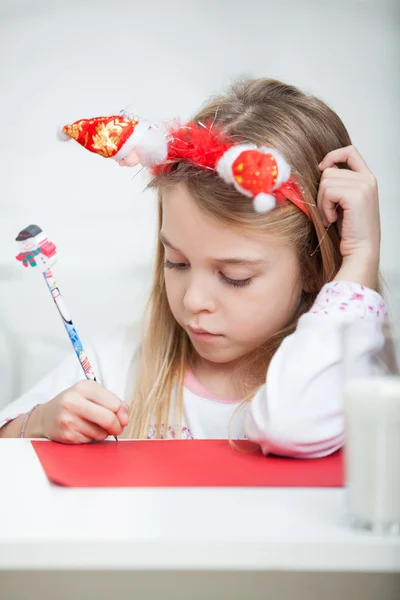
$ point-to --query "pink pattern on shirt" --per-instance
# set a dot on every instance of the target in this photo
(170, 435)
(352, 298)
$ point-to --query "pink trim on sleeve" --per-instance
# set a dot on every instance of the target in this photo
(8, 420)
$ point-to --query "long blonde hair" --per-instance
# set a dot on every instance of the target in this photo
(304, 130)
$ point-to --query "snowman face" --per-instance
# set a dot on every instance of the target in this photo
(27, 245)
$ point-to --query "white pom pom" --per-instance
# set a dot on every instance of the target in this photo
(264, 203)
(61, 135)
(148, 141)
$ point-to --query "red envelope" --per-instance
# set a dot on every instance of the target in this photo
(182, 463)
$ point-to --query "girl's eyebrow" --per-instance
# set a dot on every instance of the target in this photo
(241, 261)
(225, 261)
(165, 242)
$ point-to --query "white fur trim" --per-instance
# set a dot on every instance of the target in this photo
(61, 135)
(282, 164)
(225, 163)
(264, 203)
(150, 144)
(153, 148)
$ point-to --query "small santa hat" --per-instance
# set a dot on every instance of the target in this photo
(256, 172)
(122, 137)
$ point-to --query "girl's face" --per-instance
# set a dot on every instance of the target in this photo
(238, 290)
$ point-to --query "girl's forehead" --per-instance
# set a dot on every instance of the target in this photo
(185, 227)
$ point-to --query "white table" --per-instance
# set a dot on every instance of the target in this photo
(262, 532)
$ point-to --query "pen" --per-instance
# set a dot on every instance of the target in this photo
(37, 251)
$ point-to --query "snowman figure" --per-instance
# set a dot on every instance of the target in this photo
(35, 249)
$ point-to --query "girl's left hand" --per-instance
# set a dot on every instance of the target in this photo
(350, 197)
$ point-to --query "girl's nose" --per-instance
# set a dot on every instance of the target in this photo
(198, 296)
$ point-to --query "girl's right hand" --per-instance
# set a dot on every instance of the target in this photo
(83, 413)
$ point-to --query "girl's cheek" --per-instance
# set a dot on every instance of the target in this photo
(174, 288)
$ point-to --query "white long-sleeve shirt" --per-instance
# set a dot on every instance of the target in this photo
(297, 412)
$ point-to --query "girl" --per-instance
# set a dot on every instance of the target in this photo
(246, 309)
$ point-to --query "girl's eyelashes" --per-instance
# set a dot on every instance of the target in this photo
(234, 282)
(171, 265)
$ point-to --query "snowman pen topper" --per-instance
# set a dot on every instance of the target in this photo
(36, 250)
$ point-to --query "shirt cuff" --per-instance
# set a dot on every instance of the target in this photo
(351, 300)
(9, 419)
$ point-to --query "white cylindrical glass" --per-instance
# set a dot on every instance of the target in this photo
(372, 415)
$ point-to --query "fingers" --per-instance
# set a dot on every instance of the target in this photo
(91, 431)
(99, 395)
(328, 204)
(83, 432)
(350, 184)
(75, 438)
(123, 414)
(349, 155)
(340, 187)
(84, 413)
(96, 414)
(346, 174)
(92, 403)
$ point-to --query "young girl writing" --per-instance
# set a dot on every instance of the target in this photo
(242, 333)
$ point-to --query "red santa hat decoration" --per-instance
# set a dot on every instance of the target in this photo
(255, 172)
(260, 173)
(121, 137)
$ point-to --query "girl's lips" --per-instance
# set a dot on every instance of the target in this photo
(202, 333)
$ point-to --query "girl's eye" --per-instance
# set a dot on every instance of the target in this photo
(171, 265)
(234, 282)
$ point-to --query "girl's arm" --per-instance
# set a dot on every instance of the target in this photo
(299, 411)
(13, 414)
(110, 355)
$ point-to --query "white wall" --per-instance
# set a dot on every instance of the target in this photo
(64, 60)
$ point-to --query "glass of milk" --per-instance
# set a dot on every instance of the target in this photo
(372, 416)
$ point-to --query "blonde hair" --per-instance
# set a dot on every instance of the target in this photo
(304, 129)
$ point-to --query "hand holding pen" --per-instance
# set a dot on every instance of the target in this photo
(85, 412)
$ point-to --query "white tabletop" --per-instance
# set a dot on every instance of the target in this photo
(293, 529)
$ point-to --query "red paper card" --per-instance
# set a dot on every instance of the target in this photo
(184, 463)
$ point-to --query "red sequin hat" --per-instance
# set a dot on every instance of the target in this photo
(119, 136)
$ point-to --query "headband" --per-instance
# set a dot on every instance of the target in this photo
(258, 172)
